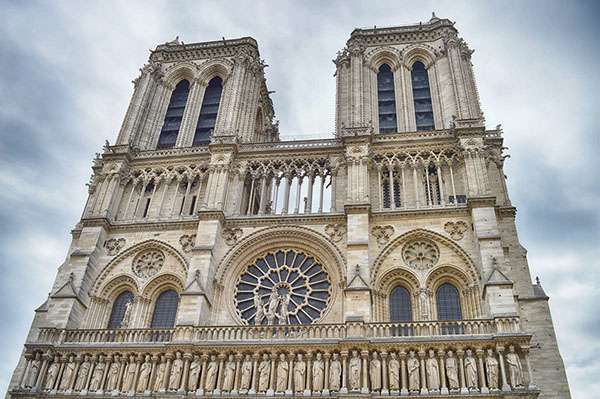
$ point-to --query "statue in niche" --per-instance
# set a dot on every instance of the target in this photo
(335, 373)
(126, 316)
(394, 372)
(144, 376)
(318, 368)
(52, 373)
(264, 370)
(129, 378)
(176, 372)
(160, 374)
(260, 311)
(515, 370)
(452, 371)
(97, 375)
(246, 373)
(67, 375)
(32, 373)
(375, 372)
(354, 376)
(412, 365)
(470, 370)
(299, 373)
(194, 376)
(82, 375)
(211, 374)
(282, 374)
(491, 368)
(113, 374)
(433, 372)
(229, 374)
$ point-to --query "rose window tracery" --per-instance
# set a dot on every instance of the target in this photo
(421, 254)
(284, 287)
(148, 263)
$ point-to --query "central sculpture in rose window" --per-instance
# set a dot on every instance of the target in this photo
(284, 287)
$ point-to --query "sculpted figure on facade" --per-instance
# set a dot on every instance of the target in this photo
(272, 306)
(264, 371)
(260, 311)
(354, 375)
(433, 372)
(318, 370)
(515, 370)
(470, 370)
(491, 368)
(246, 374)
(176, 372)
(299, 373)
(160, 374)
(212, 370)
(335, 373)
(113, 374)
(282, 374)
(144, 376)
(130, 372)
(67, 376)
(452, 371)
(229, 374)
(83, 373)
(126, 315)
(394, 372)
(33, 371)
(194, 377)
(97, 375)
(412, 365)
(52, 373)
(375, 372)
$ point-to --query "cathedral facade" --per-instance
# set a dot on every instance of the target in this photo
(213, 258)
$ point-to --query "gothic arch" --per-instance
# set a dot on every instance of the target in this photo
(118, 285)
(179, 71)
(419, 52)
(161, 283)
(384, 55)
(217, 67)
(384, 286)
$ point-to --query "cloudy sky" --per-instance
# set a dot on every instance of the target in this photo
(65, 82)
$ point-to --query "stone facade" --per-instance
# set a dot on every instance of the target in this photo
(284, 255)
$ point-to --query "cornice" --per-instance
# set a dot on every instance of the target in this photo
(461, 210)
(170, 52)
(278, 219)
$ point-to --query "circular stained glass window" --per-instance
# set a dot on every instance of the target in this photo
(284, 287)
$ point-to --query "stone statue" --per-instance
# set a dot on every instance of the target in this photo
(264, 370)
(515, 370)
(126, 316)
(470, 370)
(299, 373)
(195, 368)
(32, 373)
(96, 381)
(65, 382)
(144, 376)
(452, 371)
(176, 372)
(212, 371)
(335, 373)
(160, 374)
(52, 373)
(412, 365)
(318, 369)
(433, 372)
(354, 376)
(375, 372)
(394, 372)
(229, 374)
(82, 375)
(282, 374)
(246, 374)
(129, 377)
(113, 374)
(491, 368)
(260, 311)
(272, 307)
(282, 315)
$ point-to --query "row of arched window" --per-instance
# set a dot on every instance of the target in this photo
(447, 301)
(206, 120)
(386, 98)
(163, 315)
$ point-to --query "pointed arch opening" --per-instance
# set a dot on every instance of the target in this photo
(422, 97)
(447, 300)
(174, 115)
(165, 309)
(400, 305)
(208, 112)
(386, 100)
(119, 310)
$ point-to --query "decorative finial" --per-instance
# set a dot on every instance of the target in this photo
(537, 280)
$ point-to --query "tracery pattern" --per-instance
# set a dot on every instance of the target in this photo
(148, 263)
(284, 287)
(421, 254)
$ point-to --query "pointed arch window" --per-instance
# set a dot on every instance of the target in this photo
(400, 305)
(208, 112)
(448, 302)
(386, 100)
(422, 97)
(165, 310)
(118, 309)
(174, 116)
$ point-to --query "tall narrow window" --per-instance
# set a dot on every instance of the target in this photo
(118, 309)
(400, 305)
(386, 100)
(448, 302)
(165, 310)
(172, 123)
(422, 97)
(208, 111)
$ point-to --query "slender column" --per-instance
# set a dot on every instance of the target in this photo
(276, 195)
(140, 198)
(61, 369)
(323, 176)
(391, 186)
(217, 389)
(165, 384)
(290, 390)
(108, 362)
(429, 199)
(238, 369)
(263, 195)
(365, 372)
(187, 357)
(162, 196)
(344, 355)
(129, 198)
(461, 370)
(505, 386)
(175, 195)
(200, 181)
(42, 374)
(444, 389)
(298, 192)
(403, 204)
(251, 196)
(453, 187)
(271, 390)
(440, 183)
(380, 185)
(325, 392)
(423, 373)
(525, 350)
(152, 196)
(311, 183)
(384, 382)
(29, 358)
(200, 390)
(403, 388)
(253, 387)
(333, 177)
(308, 381)
(416, 185)
(286, 193)
(481, 370)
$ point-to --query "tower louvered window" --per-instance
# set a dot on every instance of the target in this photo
(208, 112)
(165, 310)
(118, 309)
(172, 123)
(422, 97)
(386, 100)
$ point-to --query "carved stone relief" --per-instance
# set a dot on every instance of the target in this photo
(382, 233)
(335, 231)
(456, 230)
(187, 242)
(232, 235)
(148, 263)
(114, 245)
(420, 254)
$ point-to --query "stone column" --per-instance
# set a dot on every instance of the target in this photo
(423, 373)
(253, 388)
(365, 371)
(326, 356)
(271, 390)
(461, 371)
(403, 387)
(290, 390)
(504, 382)
(200, 390)
(47, 357)
(286, 193)
(308, 379)
(217, 389)
(169, 357)
(298, 193)
(384, 382)
(444, 389)
(187, 357)
(484, 389)
(344, 355)
(531, 384)
(237, 374)
(311, 183)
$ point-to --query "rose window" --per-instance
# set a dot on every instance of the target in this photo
(420, 255)
(148, 263)
(285, 287)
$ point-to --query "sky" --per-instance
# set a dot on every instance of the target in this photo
(65, 83)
